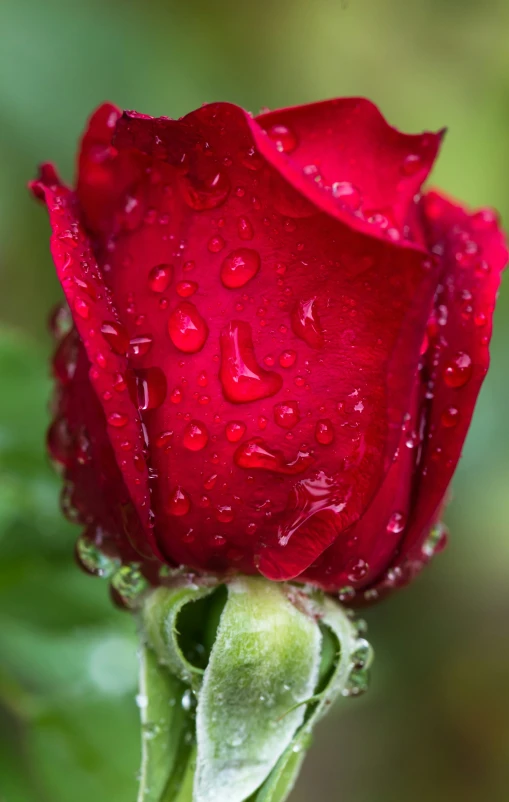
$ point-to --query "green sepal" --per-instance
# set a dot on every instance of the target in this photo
(351, 661)
(163, 724)
(262, 668)
(264, 661)
(159, 623)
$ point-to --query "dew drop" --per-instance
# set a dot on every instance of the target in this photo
(224, 514)
(287, 359)
(283, 138)
(324, 432)
(208, 193)
(178, 502)
(93, 559)
(242, 379)
(210, 482)
(256, 455)
(396, 523)
(116, 336)
(347, 194)
(147, 387)
(306, 323)
(139, 346)
(195, 436)
(244, 228)
(164, 440)
(59, 441)
(187, 329)
(239, 267)
(186, 288)
(458, 370)
(118, 420)
(83, 455)
(287, 414)
(129, 583)
(160, 277)
(235, 430)
(450, 417)
(252, 159)
(412, 163)
(216, 244)
(357, 570)
(82, 307)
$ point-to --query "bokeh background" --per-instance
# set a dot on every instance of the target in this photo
(435, 725)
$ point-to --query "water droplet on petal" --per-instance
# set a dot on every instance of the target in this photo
(234, 430)
(287, 359)
(187, 329)
(178, 502)
(129, 583)
(160, 277)
(116, 336)
(147, 387)
(357, 570)
(186, 288)
(216, 244)
(224, 514)
(412, 163)
(252, 159)
(287, 414)
(450, 417)
(284, 139)
(239, 267)
(139, 346)
(306, 323)
(195, 436)
(118, 420)
(256, 455)
(82, 307)
(208, 193)
(164, 440)
(59, 441)
(458, 370)
(93, 559)
(244, 228)
(241, 377)
(396, 523)
(324, 432)
(347, 194)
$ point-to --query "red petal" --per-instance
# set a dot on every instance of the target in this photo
(103, 177)
(472, 253)
(347, 147)
(90, 306)
(201, 180)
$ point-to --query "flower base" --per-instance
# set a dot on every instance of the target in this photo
(233, 679)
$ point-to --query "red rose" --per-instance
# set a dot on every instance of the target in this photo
(277, 341)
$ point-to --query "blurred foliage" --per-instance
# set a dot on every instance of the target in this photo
(435, 726)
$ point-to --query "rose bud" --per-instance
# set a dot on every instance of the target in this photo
(276, 347)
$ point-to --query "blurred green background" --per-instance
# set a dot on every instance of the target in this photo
(435, 725)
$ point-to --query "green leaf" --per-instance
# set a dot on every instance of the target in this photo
(263, 666)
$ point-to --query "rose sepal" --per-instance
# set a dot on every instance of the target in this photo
(277, 656)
